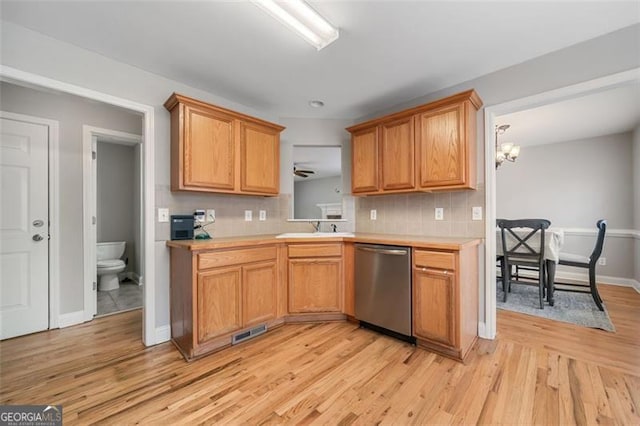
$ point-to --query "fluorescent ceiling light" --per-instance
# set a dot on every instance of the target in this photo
(300, 17)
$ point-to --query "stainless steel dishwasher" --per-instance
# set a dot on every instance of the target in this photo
(383, 288)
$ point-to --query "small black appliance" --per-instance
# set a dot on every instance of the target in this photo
(181, 227)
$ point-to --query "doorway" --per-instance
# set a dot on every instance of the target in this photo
(150, 335)
(488, 328)
(112, 194)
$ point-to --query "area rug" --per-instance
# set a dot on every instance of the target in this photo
(575, 308)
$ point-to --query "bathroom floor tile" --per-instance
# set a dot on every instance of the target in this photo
(128, 296)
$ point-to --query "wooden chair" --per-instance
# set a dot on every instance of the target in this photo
(523, 245)
(590, 263)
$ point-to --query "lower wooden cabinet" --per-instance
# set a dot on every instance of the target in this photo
(259, 293)
(218, 299)
(445, 300)
(434, 316)
(316, 279)
(218, 293)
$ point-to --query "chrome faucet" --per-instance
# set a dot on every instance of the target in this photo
(316, 226)
(334, 227)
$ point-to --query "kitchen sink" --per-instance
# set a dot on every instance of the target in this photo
(314, 234)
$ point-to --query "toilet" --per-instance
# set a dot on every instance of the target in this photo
(109, 264)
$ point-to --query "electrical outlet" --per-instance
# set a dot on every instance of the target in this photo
(211, 215)
(439, 213)
(373, 214)
(163, 215)
(198, 216)
(476, 213)
(602, 261)
(263, 215)
(248, 215)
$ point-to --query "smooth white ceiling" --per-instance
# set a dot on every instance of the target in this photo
(325, 161)
(602, 113)
(388, 51)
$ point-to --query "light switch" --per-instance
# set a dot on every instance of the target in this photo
(263, 215)
(373, 214)
(439, 213)
(476, 213)
(211, 215)
(248, 215)
(163, 215)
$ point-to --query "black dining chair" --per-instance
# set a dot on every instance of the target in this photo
(520, 248)
(590, 263)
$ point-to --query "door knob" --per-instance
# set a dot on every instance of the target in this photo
(38, 223)
(37, 237)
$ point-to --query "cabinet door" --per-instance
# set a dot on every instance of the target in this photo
(209, 149)
(442, 147)
(259, 292)
(260, 159)
(218, 302)
(433, 305)
(315, 285)
(364, 161)
(397, 154)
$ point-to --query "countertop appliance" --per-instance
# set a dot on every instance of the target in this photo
(383, 288)
(182, 227)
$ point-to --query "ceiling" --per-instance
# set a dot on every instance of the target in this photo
(325, 161)
(388, 51)
(606, 112)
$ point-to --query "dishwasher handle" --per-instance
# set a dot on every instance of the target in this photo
(393, 252)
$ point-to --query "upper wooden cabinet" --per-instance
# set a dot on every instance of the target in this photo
(364, 159)
(214, 149)
(427, 148)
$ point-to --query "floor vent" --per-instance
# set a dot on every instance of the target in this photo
(245, 335)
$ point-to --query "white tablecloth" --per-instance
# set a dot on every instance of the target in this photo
(553, 241)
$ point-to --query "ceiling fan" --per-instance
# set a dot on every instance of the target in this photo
(302, 173)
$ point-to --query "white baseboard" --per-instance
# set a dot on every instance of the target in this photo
(72, 318)
(134, 277)
(163, 334)
(481, 330)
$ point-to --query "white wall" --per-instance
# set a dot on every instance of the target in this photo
(115, 198)
(574, 184)
(309, 193)
(636, 199)
(32, 52)
(72, 112)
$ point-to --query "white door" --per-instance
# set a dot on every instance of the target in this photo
(24, 228)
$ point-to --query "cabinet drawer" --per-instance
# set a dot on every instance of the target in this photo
(315, 250)
(435, 259)
(234, 257)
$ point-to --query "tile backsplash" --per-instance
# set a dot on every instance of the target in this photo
(414, 214)
(411, 214)
(230, 213)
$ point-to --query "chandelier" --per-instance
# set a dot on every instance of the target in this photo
(506, 151)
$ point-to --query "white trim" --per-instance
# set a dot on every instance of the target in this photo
(149, 316)
(54, 209)
(482, 330)
(163, 334)
(583, 278)
(90, 135)
(587, 232)
(72, 318)
(133, 277)
(490, 113)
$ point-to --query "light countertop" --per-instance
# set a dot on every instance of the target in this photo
(417, 241)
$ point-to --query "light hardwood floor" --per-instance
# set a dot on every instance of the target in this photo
(537, 371)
